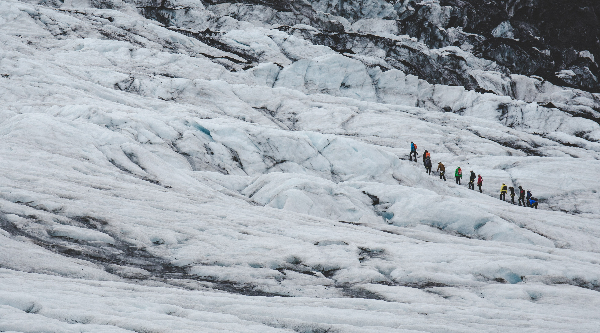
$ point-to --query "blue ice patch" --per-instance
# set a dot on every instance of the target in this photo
(509, 276)
(203, 130)
(512, 278)
(387, 215)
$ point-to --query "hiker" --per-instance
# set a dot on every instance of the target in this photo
(503, 192)
(521, 196)
(472, 181)
(529, 195)
(425, 156)
(442, 169)
(479, 183)
(413, 151)
(458, 175)
(512, 194)
(428, 165)
(533, 202)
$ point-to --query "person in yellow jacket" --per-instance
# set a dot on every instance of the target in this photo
(503, 190)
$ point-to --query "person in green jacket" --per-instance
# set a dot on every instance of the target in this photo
(458, 175)
(503, 190)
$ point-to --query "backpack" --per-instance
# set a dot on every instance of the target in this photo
(460, 171)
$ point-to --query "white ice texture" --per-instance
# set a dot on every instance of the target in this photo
(150, 182)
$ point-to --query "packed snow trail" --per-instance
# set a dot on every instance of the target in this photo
(252, 180)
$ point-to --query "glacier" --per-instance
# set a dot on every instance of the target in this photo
(184, 166)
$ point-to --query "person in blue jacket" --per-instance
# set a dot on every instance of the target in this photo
(533, 202)
(413, 151)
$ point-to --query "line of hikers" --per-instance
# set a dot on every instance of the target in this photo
(525, 199)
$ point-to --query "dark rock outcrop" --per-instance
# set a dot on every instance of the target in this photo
(558, 40)
(548, 36)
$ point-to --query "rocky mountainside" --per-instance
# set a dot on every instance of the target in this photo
(242, 166)
(522, 49)
(556, 40)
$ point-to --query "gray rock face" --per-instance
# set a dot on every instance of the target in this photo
(548, 36)
(525, 50)
(523, 37)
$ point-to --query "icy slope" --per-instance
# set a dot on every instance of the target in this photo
(157, 179)
(80, 305)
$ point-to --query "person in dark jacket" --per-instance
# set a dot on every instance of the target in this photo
(442, 169)
(425, 156)
(503, 192)
(413, 151)
(512, 194)
(472, 181)
(521, 196)
(428, 165)
(529, 195)
(458, 175)
(479, 183)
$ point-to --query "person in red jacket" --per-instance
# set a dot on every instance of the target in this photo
(521, 196)
(479, 183)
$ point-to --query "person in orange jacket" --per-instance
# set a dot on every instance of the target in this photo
(428, 165)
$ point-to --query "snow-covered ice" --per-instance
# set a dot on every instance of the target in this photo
(151, 181)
